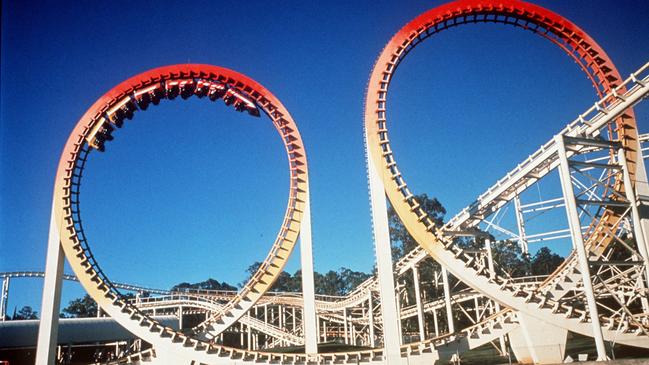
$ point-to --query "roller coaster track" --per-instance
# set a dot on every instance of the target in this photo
(465, 220)
(607, 125)
(612, 108)
(211, 305)
(40, 274)
(475, 336)
(96, 127)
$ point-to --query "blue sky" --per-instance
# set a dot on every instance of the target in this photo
(191, 190)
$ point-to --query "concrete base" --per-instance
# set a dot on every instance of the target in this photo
(536, 342)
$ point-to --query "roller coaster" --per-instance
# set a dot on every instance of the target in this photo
(596, 162)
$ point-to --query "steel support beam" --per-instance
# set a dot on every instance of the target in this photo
(447, 301)
(420, 305)
(48, 328)
(398, 297)
(435, 323)
(249, 338)
(520, 222)
(370, 305)
(490, 258)
(638, 232)
(389, 313)
(4, 298)
(180, 317)
(578, 242)
(641, 196)
(241, 334)
(346, 325)
(266, 314)
(308, 288)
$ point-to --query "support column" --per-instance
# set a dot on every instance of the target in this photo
(346, 333)
(249, 338)
(447, 301)
(4, 298)
(324, 327)
(640, 235)
(308, 286)
(398, 297)
(435, 322)
(490, 258)
(537, 342)
(180, 317)
(266, 314)
(578, 240)
(390, 316)
(48, 328)
(241, 341)
(280, 321)
(520, 221)
(642, 194)
(420, 305)
(371, 318)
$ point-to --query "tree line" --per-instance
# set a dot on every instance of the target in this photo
(509, 259)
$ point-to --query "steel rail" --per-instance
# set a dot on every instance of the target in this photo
(210, 305)
(69, 277)
(570, 38)
(578, 45)
(95, 128)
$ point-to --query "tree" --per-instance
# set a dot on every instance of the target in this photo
(545, 262)
(402, 241)
(327, 284)
(209, 284)
(285, 282)
(509, 258)
(81, 307)
(332, 282)
(351, 279)
(25, 312)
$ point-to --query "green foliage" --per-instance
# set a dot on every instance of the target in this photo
(332, 282)
(509, 258)
(209, 284)
(25, 312)
(402, 241)
(545, 262)
(81, 307)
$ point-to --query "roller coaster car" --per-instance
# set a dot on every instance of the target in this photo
(216, 90)
(172, 89)
(228, 98)
(151, 94)
(121, 110)
(99, 134)
(187, 88)
(202, 88)
(240, 102)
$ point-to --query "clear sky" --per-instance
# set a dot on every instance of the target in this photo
(191, 189)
